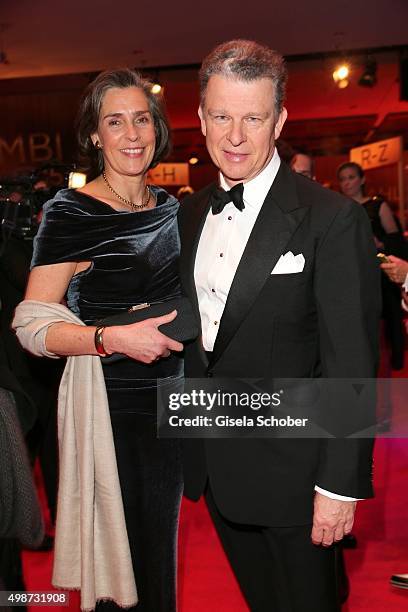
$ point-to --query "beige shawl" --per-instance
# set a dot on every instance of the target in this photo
(91, 544)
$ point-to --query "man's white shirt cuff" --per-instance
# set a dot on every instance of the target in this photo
(336, 496)
(405, 284)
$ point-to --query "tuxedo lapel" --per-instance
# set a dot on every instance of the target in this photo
(277, 221)
(194, 217)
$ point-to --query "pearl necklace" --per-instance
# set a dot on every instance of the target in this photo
(132, 205)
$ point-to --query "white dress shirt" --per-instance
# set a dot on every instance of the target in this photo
(405, 287)
(222, 243)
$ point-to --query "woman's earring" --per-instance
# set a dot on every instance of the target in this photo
(97, 145)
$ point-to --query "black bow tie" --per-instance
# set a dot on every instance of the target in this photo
(220, 198)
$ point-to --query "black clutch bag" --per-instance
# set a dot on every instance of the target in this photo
(183, 328)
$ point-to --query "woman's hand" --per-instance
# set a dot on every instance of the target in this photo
(396, 269)
(142, 341)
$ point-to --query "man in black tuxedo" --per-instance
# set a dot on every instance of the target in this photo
(284, 276)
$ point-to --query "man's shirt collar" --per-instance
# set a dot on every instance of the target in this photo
(255, 190)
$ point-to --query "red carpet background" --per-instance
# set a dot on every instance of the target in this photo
(206, 583)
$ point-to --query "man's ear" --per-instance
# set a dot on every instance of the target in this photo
(202, 120)
(280, 122)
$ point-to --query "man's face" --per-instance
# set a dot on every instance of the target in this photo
(239, 122)
(302, 164)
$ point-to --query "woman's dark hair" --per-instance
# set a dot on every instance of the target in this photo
(91, 158)
(353, 166)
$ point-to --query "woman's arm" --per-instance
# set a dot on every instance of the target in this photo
(141, 341)
(387, 219)
(49, 284)
(393, 240)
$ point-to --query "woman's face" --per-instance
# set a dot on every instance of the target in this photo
(126, 131)
(351, 183)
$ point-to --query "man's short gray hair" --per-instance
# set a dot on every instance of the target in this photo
(245, 60)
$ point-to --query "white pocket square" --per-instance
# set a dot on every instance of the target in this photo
(289, 264)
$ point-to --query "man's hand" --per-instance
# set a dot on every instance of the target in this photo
(332, 519)
(396, 270)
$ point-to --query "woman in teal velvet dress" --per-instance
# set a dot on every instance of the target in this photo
(110, 245)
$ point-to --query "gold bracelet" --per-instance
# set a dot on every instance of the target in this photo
(100, 349)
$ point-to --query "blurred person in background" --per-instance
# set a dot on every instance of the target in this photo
(388, 239)
(37, 378)
(301, 163)
(184, 191)
(397, 271)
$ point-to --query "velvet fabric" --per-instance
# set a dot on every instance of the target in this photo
(133, 255)
(133, 259)
(150, 473)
